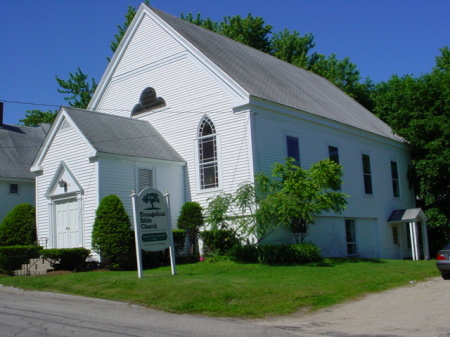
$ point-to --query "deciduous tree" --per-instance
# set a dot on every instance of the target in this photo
(418, 109)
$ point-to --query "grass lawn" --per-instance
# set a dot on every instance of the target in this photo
(230, 289)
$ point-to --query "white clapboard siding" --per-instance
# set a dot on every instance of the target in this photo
(26, 194)
(190, 91)
(75, 156)
(139, 53)
(314, 139)
(118, 177)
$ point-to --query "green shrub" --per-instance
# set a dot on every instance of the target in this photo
(179, 239)
(244, 254)
(67, 258)
(112, 237)
(301, 253)
(19, 226)
(218, 241)
(191, 220)
(162, 258)
(12, 257)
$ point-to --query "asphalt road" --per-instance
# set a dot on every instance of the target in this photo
(419, 309)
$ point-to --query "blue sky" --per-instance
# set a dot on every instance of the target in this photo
(41, 39)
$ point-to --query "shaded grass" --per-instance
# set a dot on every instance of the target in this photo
(230, 289)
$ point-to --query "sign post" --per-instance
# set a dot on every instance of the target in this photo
(152, 224)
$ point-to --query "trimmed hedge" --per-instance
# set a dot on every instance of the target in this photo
(179, 240)
(12, 257)
(66, 258)
(301, 253)
(218, 241)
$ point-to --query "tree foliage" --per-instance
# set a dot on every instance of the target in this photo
(79, 89)
(293, 196)
(290, 197)
(112, 237)
(19, 226)
(36, 117)
(418, 109)
(191, 220)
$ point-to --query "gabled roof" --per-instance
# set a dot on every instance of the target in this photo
(110, 134)
(271, 79)
(18, 148)
(122, 136)
(407, 215)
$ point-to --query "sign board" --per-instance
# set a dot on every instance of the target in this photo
(152, 219)
(152, 224)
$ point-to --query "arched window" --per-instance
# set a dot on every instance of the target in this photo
(207, 153)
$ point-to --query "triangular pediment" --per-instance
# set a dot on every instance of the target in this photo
(63, 182)
(62, 123)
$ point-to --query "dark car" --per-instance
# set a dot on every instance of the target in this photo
(443, 262)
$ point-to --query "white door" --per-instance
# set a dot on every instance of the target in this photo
(67, 225)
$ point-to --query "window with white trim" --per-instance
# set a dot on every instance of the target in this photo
(350, 236)
(395, 180)
(367, 174)
(333, 154)
(293, 149)
(207, 154)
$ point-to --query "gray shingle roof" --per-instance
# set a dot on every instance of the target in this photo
(271, 79)
(402, 215)
(18, 148)
(122, 136)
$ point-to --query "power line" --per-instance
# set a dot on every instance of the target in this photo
(167, 109)
(29, 103)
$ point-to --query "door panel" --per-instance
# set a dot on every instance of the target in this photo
(68, 234)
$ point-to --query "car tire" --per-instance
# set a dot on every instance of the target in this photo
(445, 276)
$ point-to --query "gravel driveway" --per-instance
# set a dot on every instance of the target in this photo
(419, 309)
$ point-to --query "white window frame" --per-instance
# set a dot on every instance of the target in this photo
(395, 180)
(367, 174)
(339, 187)
(296, 160)
(351, 242)
(216, 161)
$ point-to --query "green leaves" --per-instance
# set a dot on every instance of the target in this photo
(35, 117)
(78, 87)
(293, 195)
(418, 109)
(19, 226)
(290, 197)
(112, 237)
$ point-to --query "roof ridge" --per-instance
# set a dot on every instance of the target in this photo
(106, 114)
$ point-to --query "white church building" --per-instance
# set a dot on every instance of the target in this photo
(183, 109)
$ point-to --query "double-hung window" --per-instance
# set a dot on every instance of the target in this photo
(333, 154)
(395, 180)
(367, 174)
(207, 153)
(350, 236)
(293, 149)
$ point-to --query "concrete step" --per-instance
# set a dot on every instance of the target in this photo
(35, 267)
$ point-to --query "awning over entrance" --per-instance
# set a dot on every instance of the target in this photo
(417, 221)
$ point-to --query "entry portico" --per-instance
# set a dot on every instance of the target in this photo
(416, 221)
